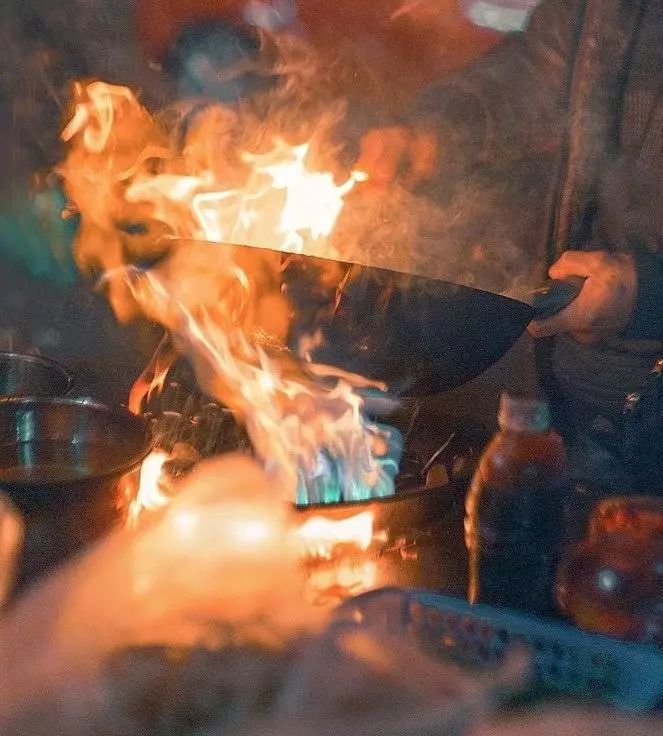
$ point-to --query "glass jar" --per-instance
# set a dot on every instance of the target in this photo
(628, 515)
(612, 582)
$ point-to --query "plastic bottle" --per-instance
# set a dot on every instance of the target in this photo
(515, 509)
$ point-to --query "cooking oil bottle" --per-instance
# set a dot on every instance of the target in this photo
(515, 511)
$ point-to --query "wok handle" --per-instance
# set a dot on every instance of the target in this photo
(555, 295)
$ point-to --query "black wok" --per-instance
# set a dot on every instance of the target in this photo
(421, 336)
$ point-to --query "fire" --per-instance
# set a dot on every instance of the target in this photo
(339, 555)
(153, 378)
(338, 582)
(319, 536)
(149, 494)
(96, 116)
(142, 197)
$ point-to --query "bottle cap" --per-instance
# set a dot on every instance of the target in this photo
(523, 415)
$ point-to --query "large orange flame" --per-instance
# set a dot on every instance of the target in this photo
(149, 494)
(141, 197)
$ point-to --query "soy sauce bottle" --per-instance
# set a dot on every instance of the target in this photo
(515, 511)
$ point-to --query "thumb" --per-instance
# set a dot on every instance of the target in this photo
(574, 263)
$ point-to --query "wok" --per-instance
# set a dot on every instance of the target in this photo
(420, 336)
(60, 463)
(57, 450)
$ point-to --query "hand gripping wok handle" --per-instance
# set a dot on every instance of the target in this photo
(555, 295)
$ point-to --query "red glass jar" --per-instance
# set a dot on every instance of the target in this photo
(628, 516)
(612, 582)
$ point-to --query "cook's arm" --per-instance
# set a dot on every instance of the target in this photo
(513, 100)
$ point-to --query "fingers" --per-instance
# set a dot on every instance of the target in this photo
(578, 263)
(569, 320)
(605, 302)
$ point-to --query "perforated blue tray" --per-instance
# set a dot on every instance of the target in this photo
(567, 660)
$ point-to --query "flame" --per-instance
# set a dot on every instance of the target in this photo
(149, 494)
(223, 306)
(335, 584)
(336, 556)
(95, 117)
(319, 536)
(283, 204)
(280, 201)
(153, 378)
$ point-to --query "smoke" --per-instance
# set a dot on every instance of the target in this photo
(468, 224)
(460, 235)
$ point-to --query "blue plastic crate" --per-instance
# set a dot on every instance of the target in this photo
(570, 661)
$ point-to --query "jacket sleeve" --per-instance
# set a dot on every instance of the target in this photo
(630, 218)
(647, 320)
(513, 100)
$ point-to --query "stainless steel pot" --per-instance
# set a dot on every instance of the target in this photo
(32, 375)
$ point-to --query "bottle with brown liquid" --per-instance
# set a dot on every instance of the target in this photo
(515, 508)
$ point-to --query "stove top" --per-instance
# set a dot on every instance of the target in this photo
(438, 450)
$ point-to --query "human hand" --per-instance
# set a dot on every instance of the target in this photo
(604, 306)
(385, 152)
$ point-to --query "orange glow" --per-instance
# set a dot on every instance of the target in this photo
(282, 205)
(227, 182)
(319, 536)
(152, 379)
(186, 524)
(336, 553)
(149, 494)
(95, 117)
(337, 582)
(230, 182)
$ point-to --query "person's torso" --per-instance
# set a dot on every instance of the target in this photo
(624, 211)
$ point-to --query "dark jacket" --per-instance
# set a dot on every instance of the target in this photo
(555, 141)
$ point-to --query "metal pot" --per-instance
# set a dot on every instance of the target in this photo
(60, 463)
(31, 375)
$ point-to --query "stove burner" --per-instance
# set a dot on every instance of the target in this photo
(439, 450)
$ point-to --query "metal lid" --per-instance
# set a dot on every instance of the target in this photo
(520, 414)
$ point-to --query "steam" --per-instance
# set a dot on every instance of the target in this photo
(461, 229)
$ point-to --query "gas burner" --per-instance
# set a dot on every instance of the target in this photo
(439, 450)
(453, 460)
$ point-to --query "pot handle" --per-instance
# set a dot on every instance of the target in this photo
(555, 295)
